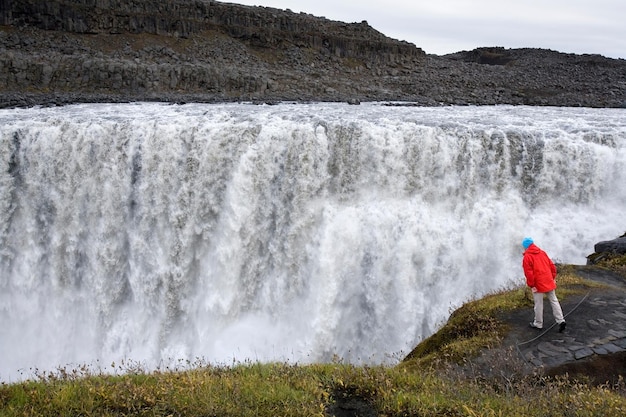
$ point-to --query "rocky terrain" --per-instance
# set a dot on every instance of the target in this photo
(64, 51)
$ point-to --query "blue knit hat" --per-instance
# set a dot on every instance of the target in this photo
(527, 242)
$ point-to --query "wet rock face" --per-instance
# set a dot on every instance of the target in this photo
(62, 51)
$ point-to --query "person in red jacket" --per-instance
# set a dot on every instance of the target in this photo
(540, 275)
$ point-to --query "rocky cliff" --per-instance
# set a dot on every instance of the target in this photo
(200, 50)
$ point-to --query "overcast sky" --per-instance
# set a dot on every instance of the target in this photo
(444, 26)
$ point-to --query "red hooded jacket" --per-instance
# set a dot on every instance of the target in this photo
(539, 270)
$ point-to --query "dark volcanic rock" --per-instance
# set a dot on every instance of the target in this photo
(617, 246)
(607, 249)
(63, 51)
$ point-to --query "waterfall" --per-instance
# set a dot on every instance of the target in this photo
(229, 232)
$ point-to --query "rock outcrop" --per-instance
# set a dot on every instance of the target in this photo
(63, 51)
(616, 246)
(606, 249)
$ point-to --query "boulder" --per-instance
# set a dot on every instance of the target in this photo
(607, 248)
(617, 246)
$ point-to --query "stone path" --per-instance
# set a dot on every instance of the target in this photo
(596, 325)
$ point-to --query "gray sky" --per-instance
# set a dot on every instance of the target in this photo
(445, 26)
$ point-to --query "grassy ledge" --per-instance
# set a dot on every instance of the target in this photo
(477, 325)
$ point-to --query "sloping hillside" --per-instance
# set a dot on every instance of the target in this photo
(199, 50)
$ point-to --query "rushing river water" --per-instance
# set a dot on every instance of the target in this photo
(232, 232)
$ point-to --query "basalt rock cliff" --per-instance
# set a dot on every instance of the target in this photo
(63, 51)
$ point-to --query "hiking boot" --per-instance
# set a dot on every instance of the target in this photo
(534, 327)
(562, 327)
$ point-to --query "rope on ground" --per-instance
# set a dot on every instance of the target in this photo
(517, 345)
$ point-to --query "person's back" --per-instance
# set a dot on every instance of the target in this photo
(539, 269)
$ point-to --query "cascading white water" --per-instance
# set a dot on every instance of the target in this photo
(157, 232)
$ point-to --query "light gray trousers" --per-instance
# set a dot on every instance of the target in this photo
(554, 303)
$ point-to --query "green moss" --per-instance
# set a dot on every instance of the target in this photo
(614, 262)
